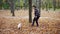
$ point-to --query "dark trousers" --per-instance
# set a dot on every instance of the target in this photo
(35, 20)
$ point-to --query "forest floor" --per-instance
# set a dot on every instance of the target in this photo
(49, 22)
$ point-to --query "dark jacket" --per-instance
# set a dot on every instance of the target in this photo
(37, 12)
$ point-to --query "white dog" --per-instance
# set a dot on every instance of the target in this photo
(19, 25)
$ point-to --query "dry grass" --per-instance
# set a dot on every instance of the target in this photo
(8, 25)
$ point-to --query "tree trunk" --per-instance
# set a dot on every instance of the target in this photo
(30, 11)
(58, 4)
(12, 7)
(54, 4)
(1, 1)
(40, 7)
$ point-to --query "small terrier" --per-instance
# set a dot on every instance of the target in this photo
(19, 26)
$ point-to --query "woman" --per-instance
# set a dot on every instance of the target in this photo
(37, 15)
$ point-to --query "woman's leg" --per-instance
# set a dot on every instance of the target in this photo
(37, 21)
(33, 21)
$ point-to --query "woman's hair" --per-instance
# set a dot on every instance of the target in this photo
(34, 6)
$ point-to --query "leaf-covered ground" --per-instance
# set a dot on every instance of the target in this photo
(49, 23)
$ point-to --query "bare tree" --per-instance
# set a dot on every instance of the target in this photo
(40, 7)
(58, 3)
(1, 4)
(12, 6)
(30, 11)
(54, 4)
